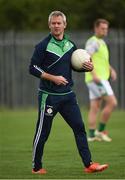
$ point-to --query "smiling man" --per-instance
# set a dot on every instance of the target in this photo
(51, 63)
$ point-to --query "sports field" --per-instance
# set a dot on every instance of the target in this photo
(61, 158)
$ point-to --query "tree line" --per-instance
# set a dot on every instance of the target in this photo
(32, 15)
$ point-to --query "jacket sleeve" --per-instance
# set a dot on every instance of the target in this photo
(35, 67)
(81, 70)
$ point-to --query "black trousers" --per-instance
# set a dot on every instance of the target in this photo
(67, 106)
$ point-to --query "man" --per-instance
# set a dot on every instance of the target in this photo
(97, 82)
(51, 62)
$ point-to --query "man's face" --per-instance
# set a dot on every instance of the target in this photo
(57, 26)
(101, 30)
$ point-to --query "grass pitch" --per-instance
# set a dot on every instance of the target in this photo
(61, 158)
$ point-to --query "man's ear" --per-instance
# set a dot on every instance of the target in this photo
(49, 25)
(65, 25)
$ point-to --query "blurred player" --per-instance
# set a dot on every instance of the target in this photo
(97, 82)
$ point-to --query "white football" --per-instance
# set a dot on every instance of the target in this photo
(78, 58)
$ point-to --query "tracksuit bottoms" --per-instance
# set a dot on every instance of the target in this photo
(67, 106)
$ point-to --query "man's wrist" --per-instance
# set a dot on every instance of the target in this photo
(47, 76)
(42, 75)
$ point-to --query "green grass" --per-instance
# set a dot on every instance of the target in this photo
(61, 158)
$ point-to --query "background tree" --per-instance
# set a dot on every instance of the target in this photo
(33, 14)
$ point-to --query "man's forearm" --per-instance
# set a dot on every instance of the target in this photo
(47, 76)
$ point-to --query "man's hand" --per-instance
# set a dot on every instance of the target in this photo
(96, 79)
(59, 80)
(113, 74)
(88, 66)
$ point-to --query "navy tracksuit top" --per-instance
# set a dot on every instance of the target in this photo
(54, 57)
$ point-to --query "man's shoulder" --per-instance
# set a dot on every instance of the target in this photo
(43, 43)
(92, 45)
(92, 39)
(73, 43)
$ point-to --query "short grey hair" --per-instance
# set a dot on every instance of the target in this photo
(57, 13)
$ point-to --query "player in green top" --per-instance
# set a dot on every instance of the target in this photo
(98, 82)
